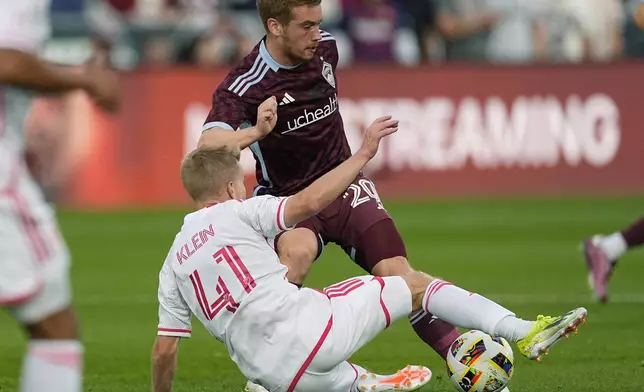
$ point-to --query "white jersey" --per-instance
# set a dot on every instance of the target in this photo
(223, 269)
(24, 26)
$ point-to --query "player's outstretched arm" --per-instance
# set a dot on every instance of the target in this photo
(327, 188)
(219, 137)
(164, 362)
(27, 71)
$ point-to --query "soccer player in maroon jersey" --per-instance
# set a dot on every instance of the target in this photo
(293, 68)
(602, 253)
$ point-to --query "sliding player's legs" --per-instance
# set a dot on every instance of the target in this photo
(602, 252)
(361, 308)
(35, 289)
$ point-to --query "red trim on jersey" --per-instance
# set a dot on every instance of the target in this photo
(382, 302)
(279, 215)
(309, 359)
(177, 330)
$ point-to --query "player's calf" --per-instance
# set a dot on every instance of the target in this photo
(393, 266)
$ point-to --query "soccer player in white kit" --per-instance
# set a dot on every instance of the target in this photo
(34, 261)
(222, 269)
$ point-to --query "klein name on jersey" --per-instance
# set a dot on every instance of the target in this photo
(196, 241)
(310, 117)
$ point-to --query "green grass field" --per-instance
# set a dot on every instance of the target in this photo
(522, 253)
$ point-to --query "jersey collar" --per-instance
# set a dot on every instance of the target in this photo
(272, 63)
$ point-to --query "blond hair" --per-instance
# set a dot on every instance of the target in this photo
(280, 10)
(206, 171)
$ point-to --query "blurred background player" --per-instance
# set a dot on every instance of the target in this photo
(34, 261)
(602, 252)
(296, 63)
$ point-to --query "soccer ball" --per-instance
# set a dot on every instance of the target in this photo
(477, 362)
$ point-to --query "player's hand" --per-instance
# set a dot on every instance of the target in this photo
(382, 127)
(266, 116)
(104, 85)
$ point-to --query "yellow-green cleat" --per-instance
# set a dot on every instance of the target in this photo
(547, 331)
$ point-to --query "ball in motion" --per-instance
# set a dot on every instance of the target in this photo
(478, 362)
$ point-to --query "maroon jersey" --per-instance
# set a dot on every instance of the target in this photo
(309, 138)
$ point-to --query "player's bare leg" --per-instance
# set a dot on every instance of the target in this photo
(473, 311)
(55, 356)
(603, 252)
(298, 249)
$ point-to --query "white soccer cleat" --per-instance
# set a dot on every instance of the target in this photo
(410, 378)
(252, 387)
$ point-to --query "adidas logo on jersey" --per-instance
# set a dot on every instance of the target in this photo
(287, 99)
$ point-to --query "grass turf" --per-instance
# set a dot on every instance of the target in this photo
(522, 253)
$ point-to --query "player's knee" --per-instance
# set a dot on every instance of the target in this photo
(61, 325)
(417, 282)
(393, 266)
(297, 254)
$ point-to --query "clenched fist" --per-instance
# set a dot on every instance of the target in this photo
(266, 116)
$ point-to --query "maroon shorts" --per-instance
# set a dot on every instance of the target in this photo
(359, 224)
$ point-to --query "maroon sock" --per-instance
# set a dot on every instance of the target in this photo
(438, 334)
(634, 235)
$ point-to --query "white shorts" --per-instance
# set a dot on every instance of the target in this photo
(34, 260)
(361, 308)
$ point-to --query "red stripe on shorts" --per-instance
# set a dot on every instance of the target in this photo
(382, 302)
(28, 224)
(309, 359)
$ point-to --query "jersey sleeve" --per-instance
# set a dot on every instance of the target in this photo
(24, 25)
(229, 110)
(175, 317)
(265, 214)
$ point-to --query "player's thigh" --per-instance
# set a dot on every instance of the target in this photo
(361, 307)
(339, 379)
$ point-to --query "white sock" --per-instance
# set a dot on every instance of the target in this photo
(512, 328)
(614, 245)
(462, 308)
(53, 365)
